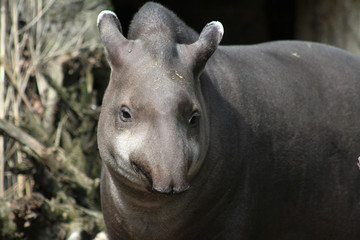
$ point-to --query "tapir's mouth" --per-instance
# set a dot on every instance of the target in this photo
(142, 172)
(169, 188)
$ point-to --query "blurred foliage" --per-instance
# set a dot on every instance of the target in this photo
(52, 76)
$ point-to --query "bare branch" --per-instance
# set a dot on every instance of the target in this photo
(22, 137)
(13, 81)
(38, 17)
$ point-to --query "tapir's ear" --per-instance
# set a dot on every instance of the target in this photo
(111, 35)
(207, 43)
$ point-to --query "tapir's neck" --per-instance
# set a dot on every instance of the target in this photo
(149, 215)
(142, 214)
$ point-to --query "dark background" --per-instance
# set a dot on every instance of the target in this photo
(245, 22)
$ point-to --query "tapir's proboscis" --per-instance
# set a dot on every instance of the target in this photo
(201, 141)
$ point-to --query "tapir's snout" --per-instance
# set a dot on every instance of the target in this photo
(162, 180)
(163, 157)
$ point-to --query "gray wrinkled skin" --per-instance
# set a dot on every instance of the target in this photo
(201, 141)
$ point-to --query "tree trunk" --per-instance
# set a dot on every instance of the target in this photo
(333, 22)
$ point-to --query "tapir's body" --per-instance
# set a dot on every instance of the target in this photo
(270, 151)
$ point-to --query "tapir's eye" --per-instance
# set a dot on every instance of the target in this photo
(194, 119)
(125, 114)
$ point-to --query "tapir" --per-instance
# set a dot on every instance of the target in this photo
(201, 141)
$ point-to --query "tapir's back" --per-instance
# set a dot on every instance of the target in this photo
(298, 102)
(291, 82)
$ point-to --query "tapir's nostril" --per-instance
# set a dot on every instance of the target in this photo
(167, 191)
(181, 189)
(145, 175)
(171, 189)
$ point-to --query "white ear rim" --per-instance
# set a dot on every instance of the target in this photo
(219, 27)
(101, 15)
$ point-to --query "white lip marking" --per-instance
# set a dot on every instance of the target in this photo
(102, 13)
(125, 144)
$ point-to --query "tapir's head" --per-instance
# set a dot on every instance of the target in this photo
(153, 130)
